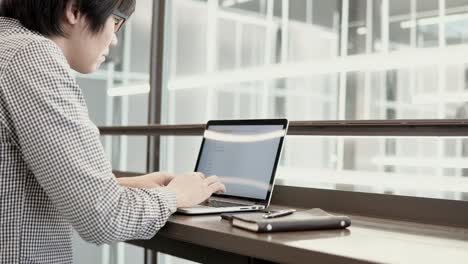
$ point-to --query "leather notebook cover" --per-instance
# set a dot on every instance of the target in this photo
(313, 219)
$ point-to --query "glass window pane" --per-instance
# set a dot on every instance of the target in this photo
(421, 167)
(127, 153)
(325, 60)
(259, 58)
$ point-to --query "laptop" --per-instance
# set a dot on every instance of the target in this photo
(244, 154)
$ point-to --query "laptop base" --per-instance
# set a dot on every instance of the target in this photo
(197, 210)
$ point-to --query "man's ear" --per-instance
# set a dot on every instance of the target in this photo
(72, 13)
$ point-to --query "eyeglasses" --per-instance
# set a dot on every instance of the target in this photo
(119, 20)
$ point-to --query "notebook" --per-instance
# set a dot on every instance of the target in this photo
(244, 154)
(313, 219)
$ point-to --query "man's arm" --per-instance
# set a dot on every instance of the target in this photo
(61, 146)
(152, 180)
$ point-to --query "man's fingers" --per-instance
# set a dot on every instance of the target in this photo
(168, 178)
(214, 182)
(217, 188)
(199, 174)
(212, 179)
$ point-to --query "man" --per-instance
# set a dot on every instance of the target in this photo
(53, 172)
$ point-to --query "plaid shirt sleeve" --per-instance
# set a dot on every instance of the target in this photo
(61, 147)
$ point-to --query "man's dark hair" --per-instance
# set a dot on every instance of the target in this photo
(45, 16)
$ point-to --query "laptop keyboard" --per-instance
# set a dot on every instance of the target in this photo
(214, 203)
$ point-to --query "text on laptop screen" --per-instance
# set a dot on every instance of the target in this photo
(243, 156)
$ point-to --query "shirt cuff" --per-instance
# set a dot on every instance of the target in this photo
(170, 198)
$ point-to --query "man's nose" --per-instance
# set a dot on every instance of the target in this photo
(114, 41)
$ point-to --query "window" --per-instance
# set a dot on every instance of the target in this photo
(326, 60)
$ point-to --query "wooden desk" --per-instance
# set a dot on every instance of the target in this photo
(209, 239)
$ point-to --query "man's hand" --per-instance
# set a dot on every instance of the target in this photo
(193, 188)
(190, 188)
(148, 181)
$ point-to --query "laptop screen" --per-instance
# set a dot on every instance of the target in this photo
(243, 156)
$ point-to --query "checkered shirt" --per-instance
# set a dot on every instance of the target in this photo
(54, 175)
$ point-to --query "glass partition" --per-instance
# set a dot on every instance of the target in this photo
(408, 166)
(325, 60)
(315, 59)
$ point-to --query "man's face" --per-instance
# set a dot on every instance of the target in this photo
(89, 50)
